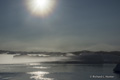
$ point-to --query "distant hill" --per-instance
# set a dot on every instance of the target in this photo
(97, 52)
(77, 53)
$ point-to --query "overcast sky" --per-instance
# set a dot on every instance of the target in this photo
(73, 25)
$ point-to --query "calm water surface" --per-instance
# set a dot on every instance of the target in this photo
(38, 71)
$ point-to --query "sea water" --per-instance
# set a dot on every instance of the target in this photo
(56, 71)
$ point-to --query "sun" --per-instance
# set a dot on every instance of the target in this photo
(42, 4)
(41, 7)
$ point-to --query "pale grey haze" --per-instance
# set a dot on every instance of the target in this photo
(71, 26)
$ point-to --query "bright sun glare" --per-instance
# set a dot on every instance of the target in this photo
(42, 4)
(41, 7)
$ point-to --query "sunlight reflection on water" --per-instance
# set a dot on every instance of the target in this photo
(39, 75)
(33, 64)
(37, 66)
(41, 67)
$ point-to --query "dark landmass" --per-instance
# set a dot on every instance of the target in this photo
(77, 53)
(117, 68)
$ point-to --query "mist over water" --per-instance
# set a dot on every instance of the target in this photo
(12, 59)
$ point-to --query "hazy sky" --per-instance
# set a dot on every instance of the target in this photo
(73, 25)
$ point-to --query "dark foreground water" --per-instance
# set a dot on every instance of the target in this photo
(54, 71)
